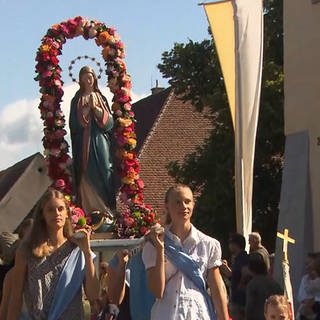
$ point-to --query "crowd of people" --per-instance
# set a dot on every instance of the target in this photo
(178, 274)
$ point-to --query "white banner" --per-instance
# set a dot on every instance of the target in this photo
(237, 28)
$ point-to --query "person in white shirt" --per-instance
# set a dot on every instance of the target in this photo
(309, 290)
(179, 295)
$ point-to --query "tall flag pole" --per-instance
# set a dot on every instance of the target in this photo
(286, 268)
(237, 29)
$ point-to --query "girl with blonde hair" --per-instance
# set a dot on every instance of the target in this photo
(277, 307)
(181, 262)
(52, 266)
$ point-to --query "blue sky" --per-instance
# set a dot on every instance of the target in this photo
(147, 27)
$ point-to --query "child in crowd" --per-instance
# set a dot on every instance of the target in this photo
(277, 307)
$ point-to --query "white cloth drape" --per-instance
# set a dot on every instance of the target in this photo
(237, 28)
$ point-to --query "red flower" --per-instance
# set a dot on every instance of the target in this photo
(60, 184)
(46, 74)
(54, 52)
(129, 221)
(151, 214)
(43, 56)
(40, 67)
(53, 31)
(72, 25)
(119, 45)
(147, 219)
(54, 60)
(143, 230)
(140, 184)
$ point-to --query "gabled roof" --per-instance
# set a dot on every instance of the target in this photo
(9, 176)
(21, 186)
(176, 132)
(146, 112)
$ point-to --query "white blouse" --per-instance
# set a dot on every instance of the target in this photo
(182, 300)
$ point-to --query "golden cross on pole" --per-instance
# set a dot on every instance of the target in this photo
(286, 239)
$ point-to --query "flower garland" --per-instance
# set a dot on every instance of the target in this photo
(55, 146)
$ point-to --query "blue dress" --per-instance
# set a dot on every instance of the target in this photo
(42, 277)
(91, 136)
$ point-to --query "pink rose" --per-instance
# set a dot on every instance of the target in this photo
(127, 106)
(64, 30)
(119, 45)
(124, 98)
(58, 82)
(60, 184)
(129, 222)
(74, 219)
(112, 31)
(78, 212)
(140, 184)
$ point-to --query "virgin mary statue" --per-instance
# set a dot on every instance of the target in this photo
(91, 126)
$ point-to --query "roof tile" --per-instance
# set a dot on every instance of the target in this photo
(176, 132)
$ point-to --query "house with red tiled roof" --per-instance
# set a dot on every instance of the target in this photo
(167, 130)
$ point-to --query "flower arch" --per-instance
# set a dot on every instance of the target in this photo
(138, 217)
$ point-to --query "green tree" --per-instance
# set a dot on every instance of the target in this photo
(194, 73)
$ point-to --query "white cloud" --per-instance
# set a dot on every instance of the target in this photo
(21, 127)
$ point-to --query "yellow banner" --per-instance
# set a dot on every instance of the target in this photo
(220, 17)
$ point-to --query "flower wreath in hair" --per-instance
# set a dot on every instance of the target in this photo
(56, 148)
